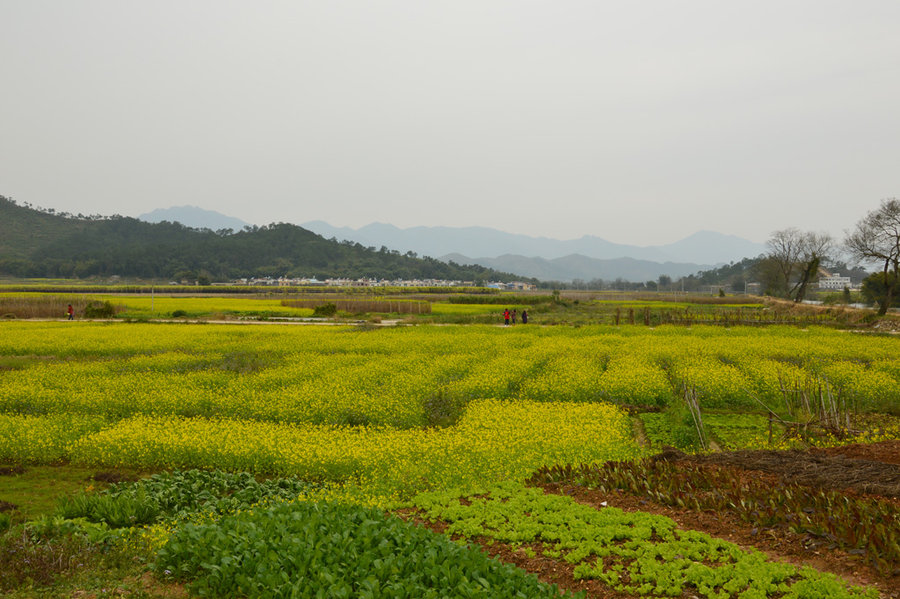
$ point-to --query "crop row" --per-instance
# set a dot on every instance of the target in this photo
(311, 550)
(494, 440)
(636, 552)
(868, 526)
(178, 496)
(228, 535)
(391, 377)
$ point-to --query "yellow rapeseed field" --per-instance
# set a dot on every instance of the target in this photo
(395, 409)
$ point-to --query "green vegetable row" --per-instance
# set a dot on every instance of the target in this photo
(870, 526)
(318, 550)
(636, 553)
(178, 495)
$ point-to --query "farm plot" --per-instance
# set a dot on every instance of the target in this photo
(598, 548)
(835, 509)
(378, 416)
(41, 305)
(68, 390)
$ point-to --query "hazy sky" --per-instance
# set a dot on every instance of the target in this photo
(637, 121)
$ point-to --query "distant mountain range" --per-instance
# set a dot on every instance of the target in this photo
(586, 258)
(703, 247)
(194, 217)
(576, 266)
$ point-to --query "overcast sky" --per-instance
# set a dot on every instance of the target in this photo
(638, 121)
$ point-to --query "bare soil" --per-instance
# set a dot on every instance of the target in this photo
(872, 469)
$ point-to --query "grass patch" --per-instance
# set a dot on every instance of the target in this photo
(36, 491)
(71, 565)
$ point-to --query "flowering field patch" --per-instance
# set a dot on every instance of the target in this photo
(411, 378)
(494, 440)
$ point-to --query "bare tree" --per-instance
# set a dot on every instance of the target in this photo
(814, 247)
(876, 238)
(784, 253)
(794, 257)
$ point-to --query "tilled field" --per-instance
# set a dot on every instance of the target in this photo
(868, 469)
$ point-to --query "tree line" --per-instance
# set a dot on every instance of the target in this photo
(793, 262)
(794, 257)
(35, 243)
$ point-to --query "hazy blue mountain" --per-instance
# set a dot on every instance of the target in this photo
(192, 216)
(704, 247)
(437, 241)
(576, 266)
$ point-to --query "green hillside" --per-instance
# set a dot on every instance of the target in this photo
(36, 243)
(23, 229)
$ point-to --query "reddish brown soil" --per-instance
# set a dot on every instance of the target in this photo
(887, 452)
(864, 469)
(859, 469)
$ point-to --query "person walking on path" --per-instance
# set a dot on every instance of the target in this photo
(524, 317)
(71, 312)
(506, 317)
(514, 316)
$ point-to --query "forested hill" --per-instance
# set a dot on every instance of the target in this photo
(38, 243)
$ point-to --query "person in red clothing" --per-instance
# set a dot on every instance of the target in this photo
(71, 312)
(506, 317)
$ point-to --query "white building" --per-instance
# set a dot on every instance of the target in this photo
(834, 282)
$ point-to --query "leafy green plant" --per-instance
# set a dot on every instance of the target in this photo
(97, 309)
(178, 494)
(869, 526)
(326, 310)
(633, 552)
(326, 549)
(59, 527)
(118, 511)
